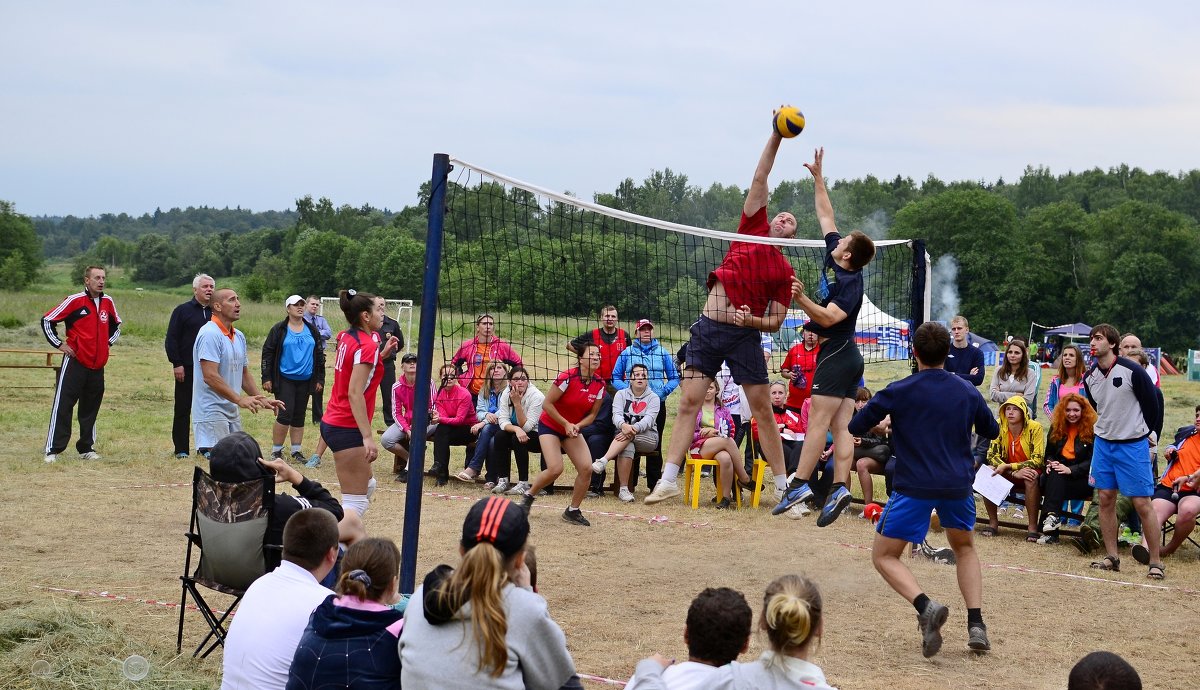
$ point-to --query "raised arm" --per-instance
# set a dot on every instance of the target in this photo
(824, 206)
(756, 198)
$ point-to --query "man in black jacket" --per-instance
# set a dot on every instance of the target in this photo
(390, 327)
(185, 323)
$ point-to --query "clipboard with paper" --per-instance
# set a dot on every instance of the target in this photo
(993, 487)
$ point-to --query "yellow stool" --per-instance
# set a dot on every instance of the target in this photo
(760, 468)
(691, 480)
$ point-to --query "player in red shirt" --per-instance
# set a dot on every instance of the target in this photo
(748, 294)
(357, 371)
(798, 367)
(571, 404)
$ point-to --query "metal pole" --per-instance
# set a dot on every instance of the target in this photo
(421, 401)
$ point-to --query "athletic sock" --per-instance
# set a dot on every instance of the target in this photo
(295, 447)
(835, 486)
(795, 482)
(974, 617)
(356, 502)
(670, 472)
(920, 603)
(781, 483)
(276, 448)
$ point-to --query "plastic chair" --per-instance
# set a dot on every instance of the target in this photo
(691, 480)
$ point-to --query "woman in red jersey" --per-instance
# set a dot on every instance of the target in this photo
(571, 404)
(357, 371)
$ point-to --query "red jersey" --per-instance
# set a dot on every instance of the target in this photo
(802, 363)
(353, 347)
(609, 352)
(92, 326)
(754, 274)
(576, 400)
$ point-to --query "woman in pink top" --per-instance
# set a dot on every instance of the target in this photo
(1069, 378)
(454, 413)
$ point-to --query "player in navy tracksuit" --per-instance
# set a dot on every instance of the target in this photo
(92, 326)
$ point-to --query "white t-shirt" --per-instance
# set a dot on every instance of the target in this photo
(688, 675)
(267, 628)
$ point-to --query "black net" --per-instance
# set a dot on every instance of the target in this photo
(542, 265)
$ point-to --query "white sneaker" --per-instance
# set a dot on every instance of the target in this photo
(779, 495)
(1051, 523)
(599, 465)
(625, 495)
(662, 491)
(90, 455)
(371, 488)
(51, 457)
(797, 511)
(501, 486)
(518, 489)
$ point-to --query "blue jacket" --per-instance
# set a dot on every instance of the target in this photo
(664, 376)
(933, 412)
(347, 647)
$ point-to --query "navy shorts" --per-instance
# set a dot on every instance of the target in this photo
(340, 438)
(713, 342)
(544, 430)
(907, 518)
(1164, 492)
(839, 369)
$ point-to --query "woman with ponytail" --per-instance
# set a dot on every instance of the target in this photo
(357, 371)
(482, 626)
(350, 641)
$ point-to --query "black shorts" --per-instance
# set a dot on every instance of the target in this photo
(340, 438)
(839, 369)
(1164, 492)
(741, 348)
(295, 395)
(546, 430)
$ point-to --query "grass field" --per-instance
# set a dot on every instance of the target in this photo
(86, 549)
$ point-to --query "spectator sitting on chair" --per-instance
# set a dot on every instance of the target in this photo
(272, 616)
(791, 426)
(663, 377)
(717, 632)
(1069, 378)
(453, 413)
(1178, 492)
(871, 450)
(635, 411)
(1068, 460)
(518, 413)
(484, 429)
(713, 440)
(397, 437)
(351, 637)
(1019, 454)
(238, 458)
(1012, 377)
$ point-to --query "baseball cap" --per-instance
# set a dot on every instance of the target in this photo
(408, 357)
(643, 323)
(292, 300)
(498, 521)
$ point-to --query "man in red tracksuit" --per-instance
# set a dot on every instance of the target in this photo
(92, 326)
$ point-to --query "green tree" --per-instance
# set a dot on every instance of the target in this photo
(155, 259)
(20, 249)
(315, 260)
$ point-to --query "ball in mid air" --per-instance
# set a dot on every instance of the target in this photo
(788, 122)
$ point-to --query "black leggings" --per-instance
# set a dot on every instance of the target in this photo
(448, 435)
(504, 446)
(294, 395)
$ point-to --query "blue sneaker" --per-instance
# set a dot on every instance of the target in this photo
(834, 505)
(314, 461)
(791, 498)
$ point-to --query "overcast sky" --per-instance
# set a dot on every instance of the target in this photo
(127, 106)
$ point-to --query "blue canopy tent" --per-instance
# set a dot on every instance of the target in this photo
(1071, 331)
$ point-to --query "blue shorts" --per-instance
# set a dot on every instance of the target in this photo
(1122, 466)
(713, 342)
(908, 518)
(340, 438)
(544, 430)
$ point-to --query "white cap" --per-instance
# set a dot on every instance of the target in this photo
(292, 300)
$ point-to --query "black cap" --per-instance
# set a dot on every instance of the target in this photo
(408, 357)
(498, 521)
(235, 459)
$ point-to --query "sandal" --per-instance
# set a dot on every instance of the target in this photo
(988, 531)
(1111, 563)
(1157, 571)
(465, 476)
(1141, 554)
(1032, 537)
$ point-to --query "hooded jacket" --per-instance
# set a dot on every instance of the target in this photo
(1032, 440)
(664, 375)
(348, 643)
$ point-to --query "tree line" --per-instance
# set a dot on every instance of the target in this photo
(1117, 245)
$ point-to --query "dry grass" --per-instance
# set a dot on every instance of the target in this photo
(620, 590)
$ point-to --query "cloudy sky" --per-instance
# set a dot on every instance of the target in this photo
(127, 106)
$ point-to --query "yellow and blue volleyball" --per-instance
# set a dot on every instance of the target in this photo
(788, 122)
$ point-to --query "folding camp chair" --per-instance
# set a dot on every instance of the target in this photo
(228, 530)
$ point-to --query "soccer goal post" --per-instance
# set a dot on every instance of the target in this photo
(542, 264)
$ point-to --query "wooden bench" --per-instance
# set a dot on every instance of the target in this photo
(31, 363)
